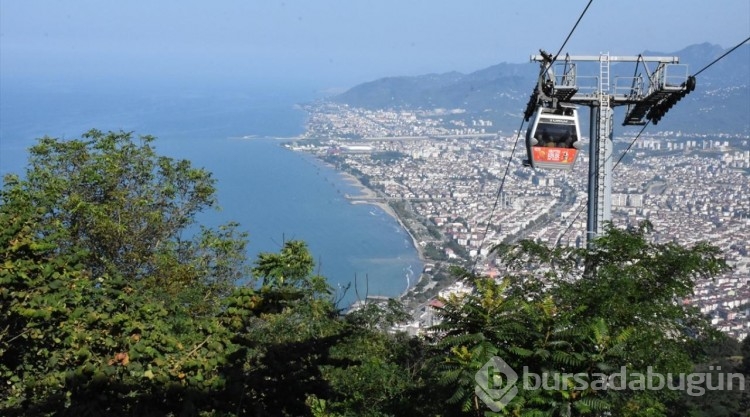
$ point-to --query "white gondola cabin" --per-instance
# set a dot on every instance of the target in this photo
(552, 138)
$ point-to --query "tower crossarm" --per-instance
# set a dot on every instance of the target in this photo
(647, 94)
(613, 58)
(563, 84)
(667, 85)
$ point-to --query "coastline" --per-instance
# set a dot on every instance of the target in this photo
(412, 293)
(365, 195)
(368, 193)
(279, 138)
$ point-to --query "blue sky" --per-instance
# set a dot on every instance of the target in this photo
(335, 43)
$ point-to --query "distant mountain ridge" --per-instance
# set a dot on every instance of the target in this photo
(720, 103)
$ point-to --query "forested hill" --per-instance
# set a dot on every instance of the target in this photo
(719, 104)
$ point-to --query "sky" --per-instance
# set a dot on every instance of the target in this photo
(335, 44)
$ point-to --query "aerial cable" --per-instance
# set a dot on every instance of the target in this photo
(641, 132)
(553, 59)
(571, 32)
(497, 198)
(567, 229)
(644, 127)
(515, 145)
(719, 58)
(630, 146)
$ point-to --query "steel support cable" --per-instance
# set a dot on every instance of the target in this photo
(719, 58)
(571, 32)
(601, 165)
(641, 132)
(515, 145)
(567, 38)
(497, 198)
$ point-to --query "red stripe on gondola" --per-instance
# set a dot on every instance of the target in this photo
(554, 155)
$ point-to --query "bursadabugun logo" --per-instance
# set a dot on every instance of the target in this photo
(496, 384)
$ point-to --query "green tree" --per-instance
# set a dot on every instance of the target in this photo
(475, 328)
(581, 311)
(132, 210)
(107, 297)
(298, 356)
(745, 351)
(284, 330)
(378, 373)
(114, 302)
(722, 359)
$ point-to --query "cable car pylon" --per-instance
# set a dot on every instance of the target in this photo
(647, 98)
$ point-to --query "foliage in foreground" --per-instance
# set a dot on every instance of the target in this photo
(114, 302)
(609, 309)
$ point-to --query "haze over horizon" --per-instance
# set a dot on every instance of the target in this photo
(331, 44)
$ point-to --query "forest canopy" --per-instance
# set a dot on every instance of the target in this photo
(114, 301)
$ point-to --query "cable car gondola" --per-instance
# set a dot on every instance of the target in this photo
(552, 138)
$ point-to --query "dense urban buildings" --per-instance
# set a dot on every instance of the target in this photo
(444, 169)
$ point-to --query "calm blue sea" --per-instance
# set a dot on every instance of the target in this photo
(274, 193)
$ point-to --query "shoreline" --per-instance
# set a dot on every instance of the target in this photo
(366, 195)
(261, 137)
(370, 193)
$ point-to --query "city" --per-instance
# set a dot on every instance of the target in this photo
(440, 170)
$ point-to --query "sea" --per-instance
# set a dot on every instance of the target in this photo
(274, 193)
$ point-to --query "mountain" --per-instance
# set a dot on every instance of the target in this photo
(501, 89)
(719, 104)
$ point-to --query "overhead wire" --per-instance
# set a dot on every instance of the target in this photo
(497, 198)
(571, 31)
(721, 57)
(572, 222)
(515, 145)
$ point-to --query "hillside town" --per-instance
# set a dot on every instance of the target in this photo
(441, 171)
